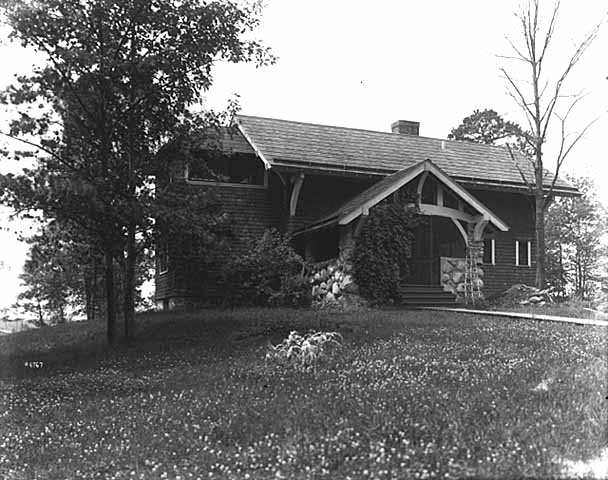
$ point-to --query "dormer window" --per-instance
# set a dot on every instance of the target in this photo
(234, 169)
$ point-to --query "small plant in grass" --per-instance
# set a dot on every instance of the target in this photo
(305, 351)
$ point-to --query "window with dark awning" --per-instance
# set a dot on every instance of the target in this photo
(237, 168)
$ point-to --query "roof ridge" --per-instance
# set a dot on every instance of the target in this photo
(366, 130)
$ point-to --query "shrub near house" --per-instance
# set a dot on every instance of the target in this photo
(270, 273)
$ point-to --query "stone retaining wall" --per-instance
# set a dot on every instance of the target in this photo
(333, 284)
(453, 276)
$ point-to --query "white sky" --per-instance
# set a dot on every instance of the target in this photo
(366, 64)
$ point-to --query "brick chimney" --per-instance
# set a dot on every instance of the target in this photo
(406, 126)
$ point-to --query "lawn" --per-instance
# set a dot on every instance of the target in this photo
(412, 395)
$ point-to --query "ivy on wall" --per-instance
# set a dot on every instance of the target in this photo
(382, 250)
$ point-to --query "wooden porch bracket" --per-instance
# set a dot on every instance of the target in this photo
(430, 209)
(281, 177)
(360, 222)
(462, 231)
(480, 226)
(295, 193)
(421, 181)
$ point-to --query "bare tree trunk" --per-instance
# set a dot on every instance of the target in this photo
(129, 269)
(61, 311)
(129, 283)
(41, 316)
(110, 298)
(579, 276)
(96, 294)
(540, 240)
(88, 294)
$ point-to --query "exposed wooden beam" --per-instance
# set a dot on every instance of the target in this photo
(278, 174)
(461, 230)
(362, 219)
(420, 186)
(479, 228)
(295, 194)
(423, 169)
(430, 209)
(411, 174)
(467, 197)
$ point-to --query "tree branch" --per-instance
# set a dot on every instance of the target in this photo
(574, 59)
(521, 173)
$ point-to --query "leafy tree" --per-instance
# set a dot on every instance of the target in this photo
(118, 84)
(543, 101)
(487, 127)
(61, 273)
(193, 226)
(49, 279)
(575, 226)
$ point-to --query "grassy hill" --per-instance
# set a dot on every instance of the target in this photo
(411, 395)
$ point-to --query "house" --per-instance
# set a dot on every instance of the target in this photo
(320, 182)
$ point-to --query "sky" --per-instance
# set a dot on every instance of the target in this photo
(365, 64)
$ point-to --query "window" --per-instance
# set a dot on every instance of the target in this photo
(523, 253)
(489, 251)
(238, 168)
(162, 258)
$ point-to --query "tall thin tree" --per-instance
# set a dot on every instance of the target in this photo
(544, 102)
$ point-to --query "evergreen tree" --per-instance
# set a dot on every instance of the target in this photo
(487, 127)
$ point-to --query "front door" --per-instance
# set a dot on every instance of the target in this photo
(424, 263)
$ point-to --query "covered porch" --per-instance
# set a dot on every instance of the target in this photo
(448, 246)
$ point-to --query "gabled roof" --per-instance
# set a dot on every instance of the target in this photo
(283, 143)
(360, 204)
(227, 139)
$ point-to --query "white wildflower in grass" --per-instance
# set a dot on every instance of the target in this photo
(425, 395)
(593, 468)
(305, 351)
(543, 386)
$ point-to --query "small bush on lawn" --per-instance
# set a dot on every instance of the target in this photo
(269, 273)
(305, 351)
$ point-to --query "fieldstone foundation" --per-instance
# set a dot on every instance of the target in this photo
(454, 278)
(464, 276)
(333, 284)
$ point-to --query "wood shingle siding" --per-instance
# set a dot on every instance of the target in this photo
(518, 212)
(251, 211)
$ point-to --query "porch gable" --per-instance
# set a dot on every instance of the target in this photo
(362, 203)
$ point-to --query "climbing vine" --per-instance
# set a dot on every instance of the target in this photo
(382, 251)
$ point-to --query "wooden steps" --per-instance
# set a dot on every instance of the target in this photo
(413, 295)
